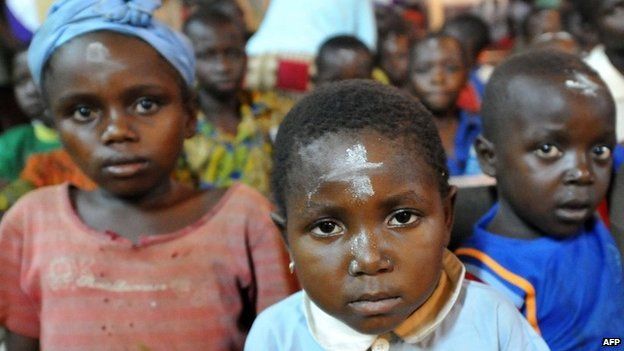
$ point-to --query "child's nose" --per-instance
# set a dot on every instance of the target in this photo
(367, 255)
(580, 169)
(118, 128)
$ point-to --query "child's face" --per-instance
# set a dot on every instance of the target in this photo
(345, 64)
(221, 59)
(366, 229)
(25, 89)
(438, 73)
(395, 57)
(610, 23)
(553, 166)
(120, 111)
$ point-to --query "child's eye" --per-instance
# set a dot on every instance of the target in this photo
(146, 106)
(602, 152)
(548, 151)
(83, 114)
(327, 228)
(402, 218)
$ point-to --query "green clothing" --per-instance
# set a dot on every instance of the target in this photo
(17, 143)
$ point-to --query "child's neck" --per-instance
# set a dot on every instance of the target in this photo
(617, 58)
(167, 209)
(507, 223)
(447, 124)
(223, 112)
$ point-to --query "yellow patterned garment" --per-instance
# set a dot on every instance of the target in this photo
(217, 159)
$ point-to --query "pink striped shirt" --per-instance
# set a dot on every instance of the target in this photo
(199, 288)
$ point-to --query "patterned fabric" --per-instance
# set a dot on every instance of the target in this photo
(569, 289)
(198, 288)
(18, 143)
(43, 169)
(218, 159)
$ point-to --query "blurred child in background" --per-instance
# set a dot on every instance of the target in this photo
(438, 72)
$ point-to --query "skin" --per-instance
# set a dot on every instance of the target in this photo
(438, 72)
(387, 246)
(555, 168)
(124, 127)
(395, 58)
(344, 64)
(610, 26)
(26, 93)
(544, 21)
(221, 67)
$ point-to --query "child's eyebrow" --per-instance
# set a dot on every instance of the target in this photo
(409, 195)
(75, 95)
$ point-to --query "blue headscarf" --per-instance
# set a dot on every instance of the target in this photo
(68, 19)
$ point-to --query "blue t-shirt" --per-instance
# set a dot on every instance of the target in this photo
(465, 160)
(572, 288)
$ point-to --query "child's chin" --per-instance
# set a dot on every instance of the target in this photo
(376, 325)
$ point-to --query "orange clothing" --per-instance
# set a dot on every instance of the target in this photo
(198, 288)
(52, 168)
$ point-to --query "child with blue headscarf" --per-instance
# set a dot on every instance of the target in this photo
(143, 262)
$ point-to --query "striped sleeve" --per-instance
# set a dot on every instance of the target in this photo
(18, 312)
(516, 288)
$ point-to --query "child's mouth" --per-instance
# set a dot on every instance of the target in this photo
(573, 213)
(126, 168)
(372, 306)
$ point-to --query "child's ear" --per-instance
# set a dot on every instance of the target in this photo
(280, 222)
(486, 154)
(449, 212)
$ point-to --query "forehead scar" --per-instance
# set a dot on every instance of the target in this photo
(583, 84)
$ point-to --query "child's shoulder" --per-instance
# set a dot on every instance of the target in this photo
(483, 309)
(282, 326)
(244, 197)
(50, 198)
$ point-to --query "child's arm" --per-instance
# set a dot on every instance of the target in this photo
(15, 342)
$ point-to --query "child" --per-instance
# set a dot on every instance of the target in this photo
(548, 138)
(607, 58)
(143, 262)
(365, 207)
(17, 143)
(438, 69)
(232, 144)
(343, 57)
(393, 54)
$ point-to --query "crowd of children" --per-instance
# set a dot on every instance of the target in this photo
(160, 201)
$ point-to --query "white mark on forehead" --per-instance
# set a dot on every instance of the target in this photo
(352, 163)
(97, 52)
(583, 84)
(346, 166)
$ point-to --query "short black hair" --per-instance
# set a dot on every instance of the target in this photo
(471, 31)
(533, 63)
(352, 106)
(336, 43)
